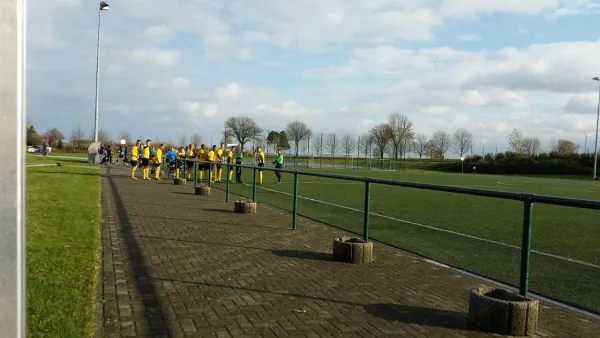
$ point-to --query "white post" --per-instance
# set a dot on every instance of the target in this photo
(97, 76)
(596, 143)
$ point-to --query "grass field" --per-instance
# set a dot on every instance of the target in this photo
(481, 235)
(63, 241)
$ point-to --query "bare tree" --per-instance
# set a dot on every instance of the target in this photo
(348, 143)
(331, 144)
(182, 140)
(196, 139)
(227, 139)
(304, 146)
(463, 141)
(420, 145)
(381, 136)
(530, 146)
(297, 131)
(442, 141)
(431, 149)
(54, 137)
(401, 130)
(365, 143)
(566, 147)
(124, 135)
(103, 136)
(77, 136)
(515, 141)
(317, 145)
(244, 129)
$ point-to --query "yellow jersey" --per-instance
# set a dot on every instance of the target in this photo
(181, 153)
(230, 156)
(211, 156)
(202, 155)
(146, 152)
(219, 155)
(261, 158)
(135, 150)
(190, 154)
(158, 156)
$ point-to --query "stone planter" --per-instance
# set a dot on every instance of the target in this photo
(179, 181)
(202, 190)
(352, 250)
(244, 207)
(502, 312)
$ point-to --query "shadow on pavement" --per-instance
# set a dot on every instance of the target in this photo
(316, 256)
(155, 314)
(420, 316)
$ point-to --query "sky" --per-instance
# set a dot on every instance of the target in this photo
(173, 68)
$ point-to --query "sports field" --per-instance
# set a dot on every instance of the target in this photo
(478, 234)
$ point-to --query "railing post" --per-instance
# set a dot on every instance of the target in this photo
(195, 172)
(227, 184)
(209, 173)
(254, 185)
(367, 210)
(526, 246)
(295, 203)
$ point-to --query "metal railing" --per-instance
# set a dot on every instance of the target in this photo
(527, 199)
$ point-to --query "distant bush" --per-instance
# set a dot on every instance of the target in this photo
(510, 163)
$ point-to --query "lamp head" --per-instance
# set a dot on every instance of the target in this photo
(104, 6)
(596, 79)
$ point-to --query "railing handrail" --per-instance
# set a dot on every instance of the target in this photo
(535, 198)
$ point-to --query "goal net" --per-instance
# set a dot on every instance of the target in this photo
(386, 164)
(327, 160)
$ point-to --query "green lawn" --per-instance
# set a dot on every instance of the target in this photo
(63, 243)
(411, 219)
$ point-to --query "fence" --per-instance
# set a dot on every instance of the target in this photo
(526, 199)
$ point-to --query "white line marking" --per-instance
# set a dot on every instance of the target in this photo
(571, 260)
(549, 187)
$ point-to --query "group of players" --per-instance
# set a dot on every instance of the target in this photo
(209, 160)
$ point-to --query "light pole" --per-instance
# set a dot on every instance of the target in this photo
(597, 122)
(103, 7)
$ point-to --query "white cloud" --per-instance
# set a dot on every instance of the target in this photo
(158, 32)
(469, 38)
(114, 69)
(244, 54)
(181, 82)
(166, 58)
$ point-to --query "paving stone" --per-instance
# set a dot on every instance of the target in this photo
(179, 265)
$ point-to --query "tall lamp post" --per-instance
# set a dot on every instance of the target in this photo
(597, 122)
(103, 7)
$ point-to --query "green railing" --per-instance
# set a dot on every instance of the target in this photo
(527, 199)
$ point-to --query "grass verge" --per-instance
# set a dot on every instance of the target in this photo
(63, 242)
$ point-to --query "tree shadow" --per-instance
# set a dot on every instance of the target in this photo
(155, 314)
(310, 255)
(420, 316)
(224, 211)
(66, 173)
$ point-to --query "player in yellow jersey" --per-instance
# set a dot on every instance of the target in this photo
(230, 161)
(146, 160)
(219, 160)
(261, 164)
(211, 159)
(134, 158)
(158, 161)
(180, 161)
(190, 161)
(201, 156)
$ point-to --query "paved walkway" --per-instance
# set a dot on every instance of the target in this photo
(179, 265)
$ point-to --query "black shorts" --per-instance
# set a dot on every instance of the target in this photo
(206, 166)
(260, 166)
(121, 156)
(145, 162)
(189, 164)
(134, 163)
(218, 166)
(172, 165)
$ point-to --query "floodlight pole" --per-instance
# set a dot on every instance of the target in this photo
(103, 6)
(597, 123)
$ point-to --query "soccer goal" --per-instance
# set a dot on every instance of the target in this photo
(327, 160)
(386, 164)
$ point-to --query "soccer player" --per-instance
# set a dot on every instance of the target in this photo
(261, 164)
(134, 158)
(220, 153)
(146, 160)
(211, 159)
(171, 156)
(180, 161)
(278, 164)
(238, 171)
(158, 161)
(230, 161)
(190, 161)
(202, 157)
